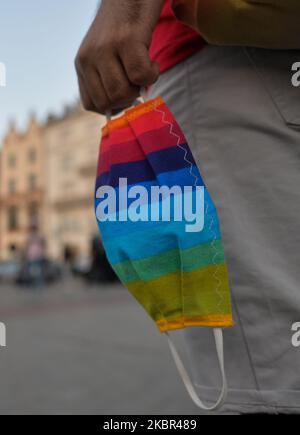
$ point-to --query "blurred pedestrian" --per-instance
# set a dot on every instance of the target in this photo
(101, 270)
(35, 256)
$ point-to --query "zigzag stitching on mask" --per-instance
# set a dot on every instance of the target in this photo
(178, 144)
(215, 274)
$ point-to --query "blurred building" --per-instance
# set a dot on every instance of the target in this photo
(22, 186)
(0, 206)
(47, 176)
(72, 146)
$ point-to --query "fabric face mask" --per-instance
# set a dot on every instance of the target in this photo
(160, 227)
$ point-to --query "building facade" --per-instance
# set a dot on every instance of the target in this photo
(71, 147)
(47, 177)
(22, 187)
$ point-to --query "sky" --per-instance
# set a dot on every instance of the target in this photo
(38, 43)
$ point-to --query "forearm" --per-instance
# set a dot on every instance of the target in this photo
(132, 12)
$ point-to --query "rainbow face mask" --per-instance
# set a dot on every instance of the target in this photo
(160, 227)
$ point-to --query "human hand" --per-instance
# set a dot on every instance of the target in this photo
(113, 62)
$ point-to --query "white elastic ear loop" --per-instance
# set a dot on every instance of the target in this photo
(108, 115)
(218, 334)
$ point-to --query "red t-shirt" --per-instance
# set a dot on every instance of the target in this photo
(172, 40)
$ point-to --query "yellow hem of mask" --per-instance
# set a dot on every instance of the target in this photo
(212, 321)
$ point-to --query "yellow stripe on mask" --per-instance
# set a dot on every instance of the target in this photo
(216, 321)
(202, 294)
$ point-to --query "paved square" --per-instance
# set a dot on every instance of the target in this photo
(84, 350)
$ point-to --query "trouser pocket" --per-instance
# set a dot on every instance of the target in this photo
(275, 69)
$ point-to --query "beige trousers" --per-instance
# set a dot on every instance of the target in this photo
(241, 116)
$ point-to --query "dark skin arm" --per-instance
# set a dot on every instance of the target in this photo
(113, 62)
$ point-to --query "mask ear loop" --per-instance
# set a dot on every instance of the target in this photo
(108, 113)
(218, 335)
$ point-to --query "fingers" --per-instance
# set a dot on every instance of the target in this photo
(120, 91)
(104, 85)
(84, 95)
(113, 62)
(140, 70)
(96, 89)
(111, 74)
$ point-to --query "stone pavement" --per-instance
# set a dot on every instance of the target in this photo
(74, 349)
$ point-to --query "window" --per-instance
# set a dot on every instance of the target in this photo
(32, 155)
(13, 222)
(12, 161)
(12, 249)
(33, 214)
(12, 186)
(67, 162)
(32, 182)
